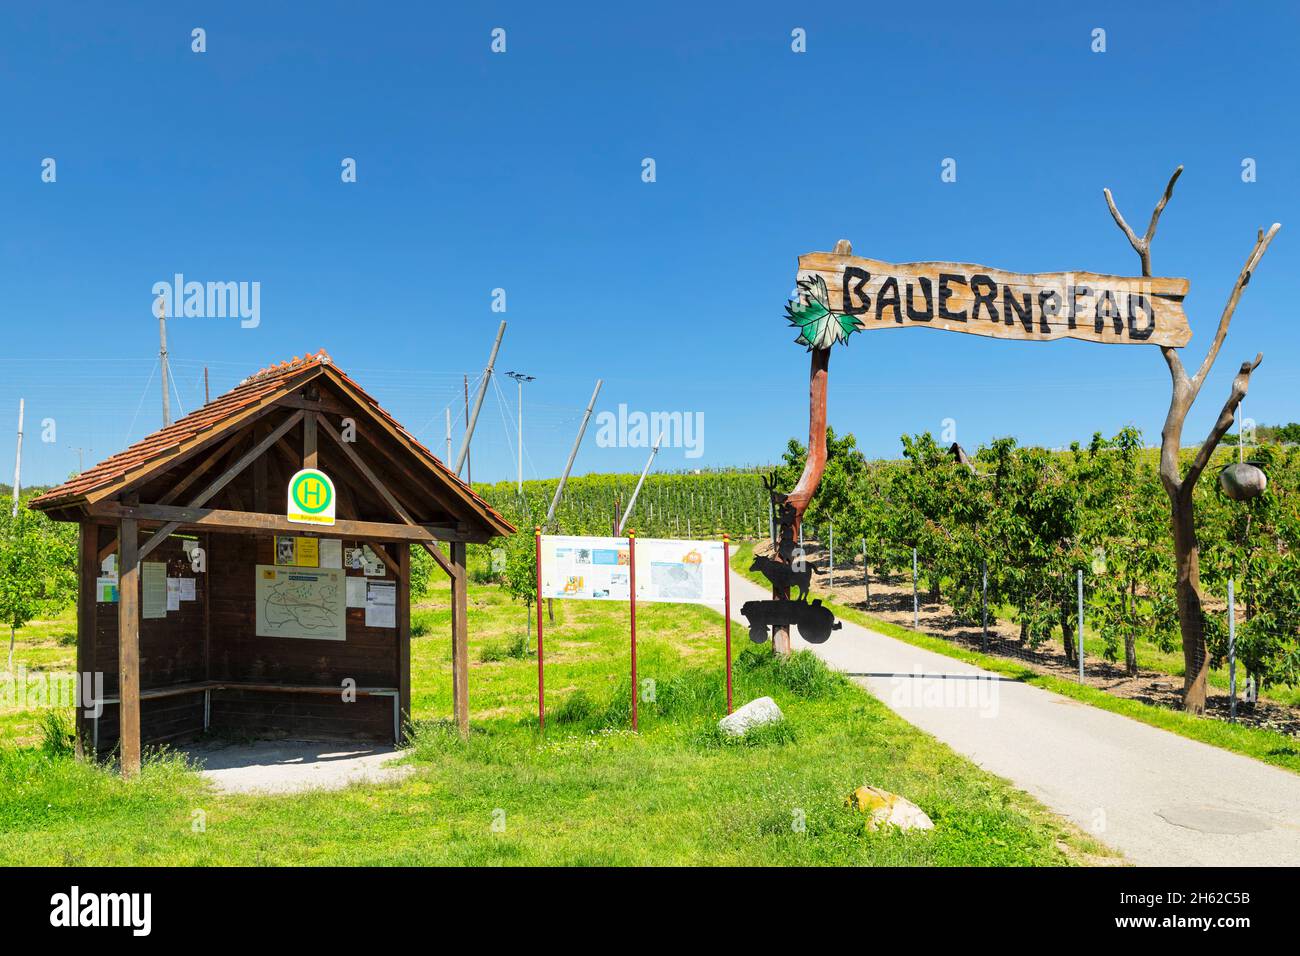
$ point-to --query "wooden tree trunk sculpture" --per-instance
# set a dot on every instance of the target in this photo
(1179, 486)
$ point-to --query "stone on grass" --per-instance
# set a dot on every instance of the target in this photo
(754, 714)
(883, 808)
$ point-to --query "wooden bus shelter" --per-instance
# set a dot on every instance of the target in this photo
(217, 480)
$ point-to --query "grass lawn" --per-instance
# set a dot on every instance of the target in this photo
(590, 792)
(1266, 745)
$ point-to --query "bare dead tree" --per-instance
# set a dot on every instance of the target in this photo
(1179, 485)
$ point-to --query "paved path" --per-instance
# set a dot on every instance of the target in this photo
(1158, 798)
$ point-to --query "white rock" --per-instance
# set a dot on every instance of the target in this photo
(888, 809)
(754, 714)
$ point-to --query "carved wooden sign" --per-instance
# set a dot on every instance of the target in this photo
(841, 294)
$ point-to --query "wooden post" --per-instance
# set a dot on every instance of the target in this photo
(403, 637)
(460, 638)
(128, 646)
(87, 572)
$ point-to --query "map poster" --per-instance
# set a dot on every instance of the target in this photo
(689, 572)
(301, 602)
(586, 568)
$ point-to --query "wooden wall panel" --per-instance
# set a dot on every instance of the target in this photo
(304, 716)
(171, 648)
(368, 656)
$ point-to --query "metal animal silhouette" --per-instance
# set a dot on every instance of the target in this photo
(785, 576)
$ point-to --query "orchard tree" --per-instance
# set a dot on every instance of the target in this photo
(38, 560)
(1180, 485)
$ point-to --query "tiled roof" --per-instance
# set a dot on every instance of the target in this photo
(166, 443)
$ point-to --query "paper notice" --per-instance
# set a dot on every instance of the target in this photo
(371, 564)
(106, 590)
(356, 592)
(307, 553)
(331, 553)
(153, 590)
(173, 594)
(187, 589)
(381, 604)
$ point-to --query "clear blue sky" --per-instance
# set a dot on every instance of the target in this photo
(523, 171)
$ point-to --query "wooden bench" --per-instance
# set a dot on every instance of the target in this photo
(206, 687)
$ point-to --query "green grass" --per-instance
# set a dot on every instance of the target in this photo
(588, 793)
(1269, 746)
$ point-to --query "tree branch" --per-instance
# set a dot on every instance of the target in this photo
(1239, 385)
(1181, 401)
(1261, 246)
(1143, 246)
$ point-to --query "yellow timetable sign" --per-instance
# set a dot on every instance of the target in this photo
(311, 498)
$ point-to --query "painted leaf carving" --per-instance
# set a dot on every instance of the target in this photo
(819, 326)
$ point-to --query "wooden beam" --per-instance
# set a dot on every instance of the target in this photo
(87, 571)
(214, 519)
(326, 403)
(403, 637)
(460, 638)
(128, 647)
(360, 465)
(198, 471)
(260, 496)
(309, 439)
(226, 478)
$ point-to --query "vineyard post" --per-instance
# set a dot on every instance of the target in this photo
(984, 605)
(1179, 487)
(18, 457)
(771, 523)
(1232, 650)
(832, 567)
(866, 575)
(478, 400)
(916, 606)
(573, 453)
(1078, 643)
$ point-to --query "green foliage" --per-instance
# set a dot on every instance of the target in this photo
(57, 733)
(38, 564)
(1034, 518)
(671, 505)
(422, 568)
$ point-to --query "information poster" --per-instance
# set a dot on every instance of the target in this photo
(381, 604)
(292, 551)
(587, 568)
(688, 572)
(300, 602)
(153, 590)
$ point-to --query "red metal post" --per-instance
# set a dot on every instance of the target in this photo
(541, 683)
(631, 560)
(726, 613)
